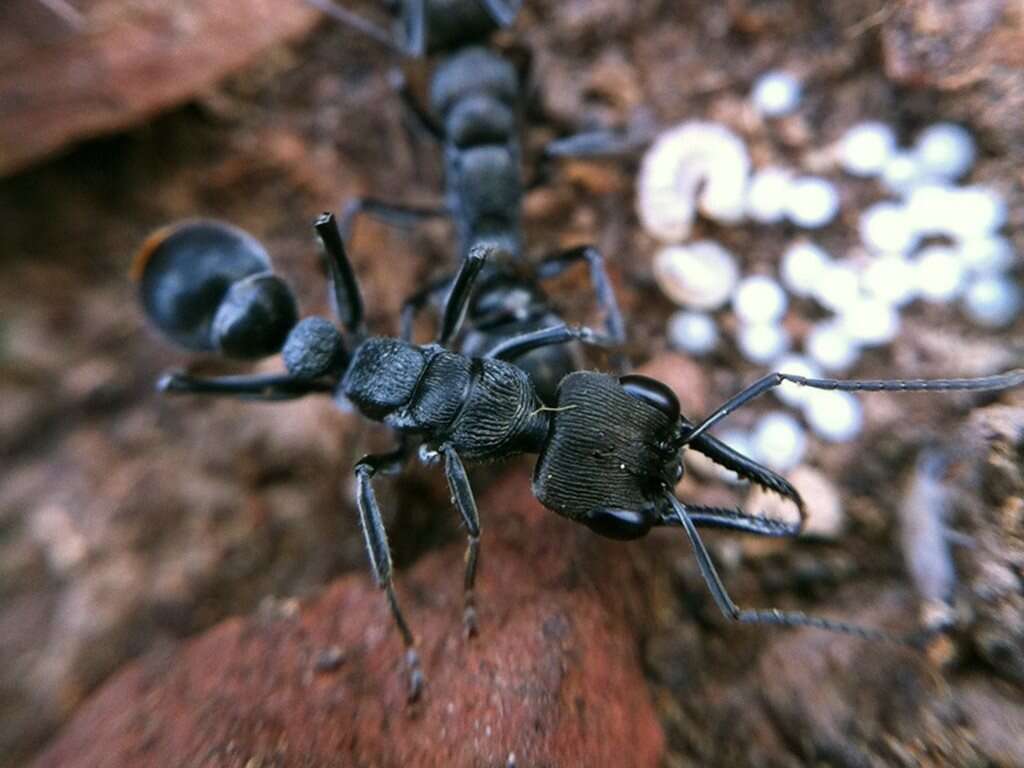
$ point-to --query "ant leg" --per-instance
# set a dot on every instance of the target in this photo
(423, 122)
(395, 214)
(415, 304)
(267, 387)
(556, 264)
(771, 615)
(734, 520)
(358, 23)
(502, 11)
(347, 298)
(462, 286)
(725, 456)
(546, 337)
(462, 496)
(377, 549)
(984, 383)
(599, 144)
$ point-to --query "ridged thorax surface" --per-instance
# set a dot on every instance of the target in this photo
(486, 409)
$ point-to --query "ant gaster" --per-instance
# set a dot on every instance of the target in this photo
(610, 451)
(475, 100)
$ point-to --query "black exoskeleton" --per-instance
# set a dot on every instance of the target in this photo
(475, 101)
(610, 450)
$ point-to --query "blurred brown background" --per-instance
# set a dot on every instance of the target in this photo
(129, 522)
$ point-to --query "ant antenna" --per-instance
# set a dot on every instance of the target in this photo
(770, 615)
(983, 383)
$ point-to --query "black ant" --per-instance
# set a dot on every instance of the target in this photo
(475, 97)
(610, 450)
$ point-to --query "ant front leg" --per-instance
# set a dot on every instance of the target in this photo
(377, 548)
(271, 387)
(462, 497)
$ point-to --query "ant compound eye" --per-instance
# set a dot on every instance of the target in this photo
(314, 348)
(653, 392)
(621, 524)
(184, 271)
(255, 317)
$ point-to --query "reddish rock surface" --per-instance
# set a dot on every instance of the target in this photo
(552, 679)
(121, 63)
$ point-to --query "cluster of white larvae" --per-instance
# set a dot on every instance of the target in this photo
(931, 239)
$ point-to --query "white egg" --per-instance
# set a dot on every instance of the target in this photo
(902, 172)
(798, 365)
(931, 208)
(696, 165)
(776, 93)
(812, 202)
(762, 343)
(870, 322)
(838, 287)
(986, 254)
(835, 416)
(978, 211)
(826, 518)
(779, 441)
(701, 275)
(692, 332)
(759, 299)
(831, 347)
(885, 227)
(766, 194)
(946, 150)
(803, 266)
(865, 148)
(892, 279)
(993, 301)
(940, 274)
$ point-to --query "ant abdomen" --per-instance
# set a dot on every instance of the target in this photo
(208, 286)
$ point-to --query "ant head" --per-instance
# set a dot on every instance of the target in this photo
(207, 285)
(609, 457)
(315, 349)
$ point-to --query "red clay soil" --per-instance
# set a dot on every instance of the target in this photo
(553, 678)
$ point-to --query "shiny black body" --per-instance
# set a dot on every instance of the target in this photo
(610, 448)
(475, 100)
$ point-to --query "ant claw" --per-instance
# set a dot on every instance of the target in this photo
(469, 623)
(416, 678)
